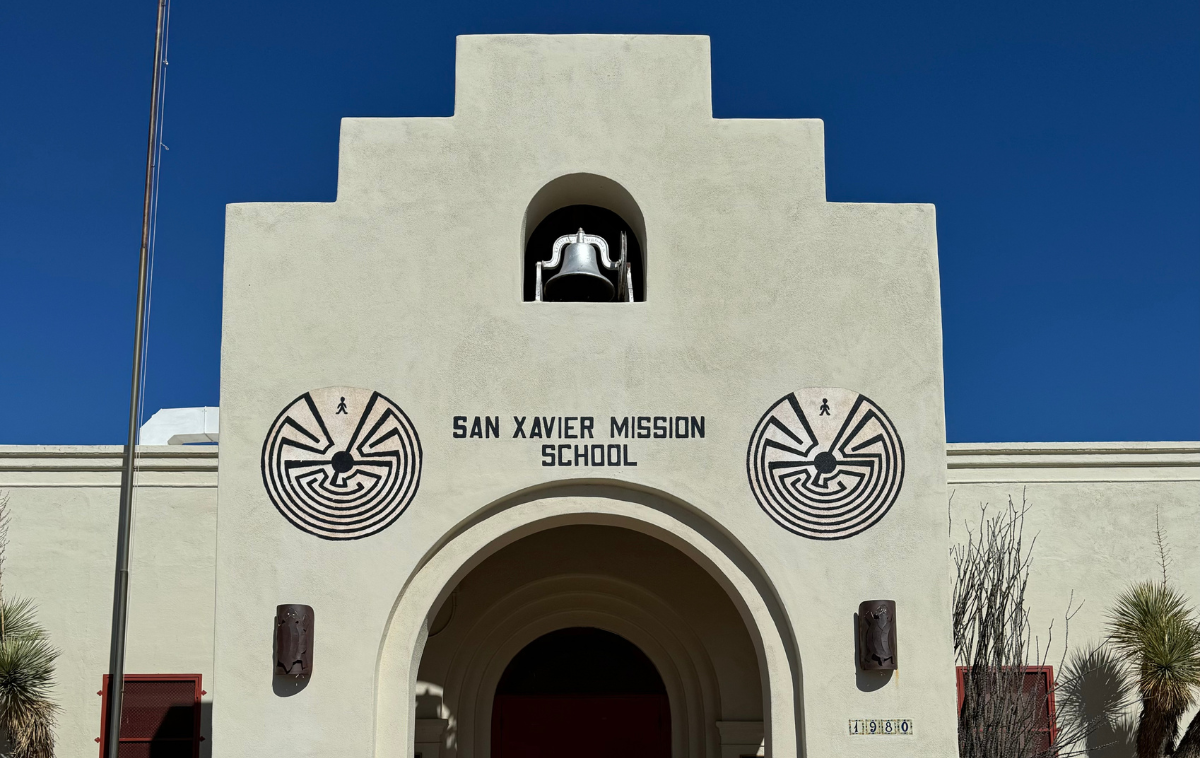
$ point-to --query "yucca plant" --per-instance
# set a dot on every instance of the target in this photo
(1156, 632)
(27, 713)
(26, 676)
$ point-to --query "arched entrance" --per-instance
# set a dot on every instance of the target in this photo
(510, 575)
(582, 692)
(631, 586)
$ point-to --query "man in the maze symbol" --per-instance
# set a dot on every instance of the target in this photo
(825, 476)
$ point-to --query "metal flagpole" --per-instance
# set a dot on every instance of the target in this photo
(116, 656)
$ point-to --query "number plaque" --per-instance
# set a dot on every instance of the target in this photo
(881, 727)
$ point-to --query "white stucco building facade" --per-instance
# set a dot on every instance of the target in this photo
(717, 468)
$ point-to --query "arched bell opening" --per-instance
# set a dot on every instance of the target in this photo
(606, 263)
(583, 692)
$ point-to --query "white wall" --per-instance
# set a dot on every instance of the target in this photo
(61, 553)
(1092, 509)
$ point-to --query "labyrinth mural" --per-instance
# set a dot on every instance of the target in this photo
(341, 462)
(825, 463)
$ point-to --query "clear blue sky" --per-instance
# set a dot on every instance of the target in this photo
(1060, 142)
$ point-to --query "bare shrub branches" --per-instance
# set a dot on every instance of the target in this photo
(1006, 696)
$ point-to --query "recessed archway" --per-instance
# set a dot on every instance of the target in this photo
(470, 652)
(687, 674)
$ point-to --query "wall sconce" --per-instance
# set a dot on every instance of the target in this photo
(294, 640)
(877, 635)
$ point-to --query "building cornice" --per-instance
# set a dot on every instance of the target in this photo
(106, 457)
(997, 462)
(100, 466)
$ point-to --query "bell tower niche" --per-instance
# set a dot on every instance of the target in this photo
(584, 243)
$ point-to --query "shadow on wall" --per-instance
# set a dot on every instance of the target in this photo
(429, 705)
(285, 685)
(206, 711)
(436, 726)
(1094, 690)
(866, 681)
(174, 734)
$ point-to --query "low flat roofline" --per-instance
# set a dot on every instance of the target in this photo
(27, 458)
(1068, 448)
(1034, 462)
(1072, 455)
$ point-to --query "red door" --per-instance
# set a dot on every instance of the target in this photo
(581, 693)
(581, 726)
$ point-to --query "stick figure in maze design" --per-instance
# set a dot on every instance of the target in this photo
(341, 407)
(824, 407)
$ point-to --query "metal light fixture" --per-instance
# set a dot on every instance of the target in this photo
(877, 635)
(294, 640)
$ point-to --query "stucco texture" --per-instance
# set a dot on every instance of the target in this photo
(410, 284)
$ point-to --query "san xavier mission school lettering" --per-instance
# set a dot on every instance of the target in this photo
(582, 428)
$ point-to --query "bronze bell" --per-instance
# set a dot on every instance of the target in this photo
(579, 279)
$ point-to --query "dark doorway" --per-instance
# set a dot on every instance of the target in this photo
(593, 220)
(583, 693)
